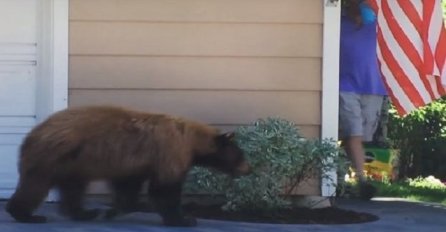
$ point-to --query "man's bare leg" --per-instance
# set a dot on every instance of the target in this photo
(355, 151)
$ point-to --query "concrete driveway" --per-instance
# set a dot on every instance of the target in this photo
(395, 216)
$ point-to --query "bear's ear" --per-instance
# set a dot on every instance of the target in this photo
(229, 135)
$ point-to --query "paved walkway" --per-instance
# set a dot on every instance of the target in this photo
(395, 216)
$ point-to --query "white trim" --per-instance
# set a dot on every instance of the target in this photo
(60, 62)
(330, 81)
(52, 87)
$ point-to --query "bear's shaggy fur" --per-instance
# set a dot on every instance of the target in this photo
(78, 145)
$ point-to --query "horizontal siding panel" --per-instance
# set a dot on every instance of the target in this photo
(11, 139)
(195, 73)
(308, 131)
(17, 121)
(14, 129)
(215, 107)
(178, 39)
(292, 11)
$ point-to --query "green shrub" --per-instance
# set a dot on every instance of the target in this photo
(421, 138)
(429, 182)
(281, 159)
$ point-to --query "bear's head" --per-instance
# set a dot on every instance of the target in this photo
(227, 158)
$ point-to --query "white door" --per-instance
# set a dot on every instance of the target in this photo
(18, 59)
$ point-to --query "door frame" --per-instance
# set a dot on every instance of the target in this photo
(52, 61)
(330, 83)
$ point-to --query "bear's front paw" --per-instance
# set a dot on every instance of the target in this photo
(181, 222)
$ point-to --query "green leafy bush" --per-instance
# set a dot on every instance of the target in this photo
(421, 138)
(429, 182)
(281, 159)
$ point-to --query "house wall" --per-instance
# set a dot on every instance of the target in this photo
(226, 63)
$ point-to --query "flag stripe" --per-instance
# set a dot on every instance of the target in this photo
(440, 53)
(411, 51)
(391, 48)
(398, 72)
(411, 12)
(402, 39)
(396, 94)
(434, 28)
(433, 80)
(428, 54)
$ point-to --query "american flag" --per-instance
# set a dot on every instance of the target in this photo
(411, 51)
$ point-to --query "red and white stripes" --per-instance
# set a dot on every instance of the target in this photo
(411, 51)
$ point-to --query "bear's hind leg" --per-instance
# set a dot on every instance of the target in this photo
(72, 192)
(30, 192)
(167, 200)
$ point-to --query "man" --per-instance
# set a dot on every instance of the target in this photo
(361, 87)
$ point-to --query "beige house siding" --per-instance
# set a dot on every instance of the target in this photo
(226, 63)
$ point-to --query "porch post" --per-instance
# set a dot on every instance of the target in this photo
(330, 82)
(52, 85)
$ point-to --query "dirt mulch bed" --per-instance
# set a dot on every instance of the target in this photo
(328, 215)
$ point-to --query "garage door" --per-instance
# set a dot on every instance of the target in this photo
(18, 59)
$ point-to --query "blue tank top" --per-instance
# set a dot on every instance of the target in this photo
(359, 71)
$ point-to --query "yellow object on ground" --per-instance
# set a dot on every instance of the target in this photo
(381, 163)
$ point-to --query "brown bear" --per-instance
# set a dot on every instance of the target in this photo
(78, 145)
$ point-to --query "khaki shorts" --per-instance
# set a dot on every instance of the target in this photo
(359, 115)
